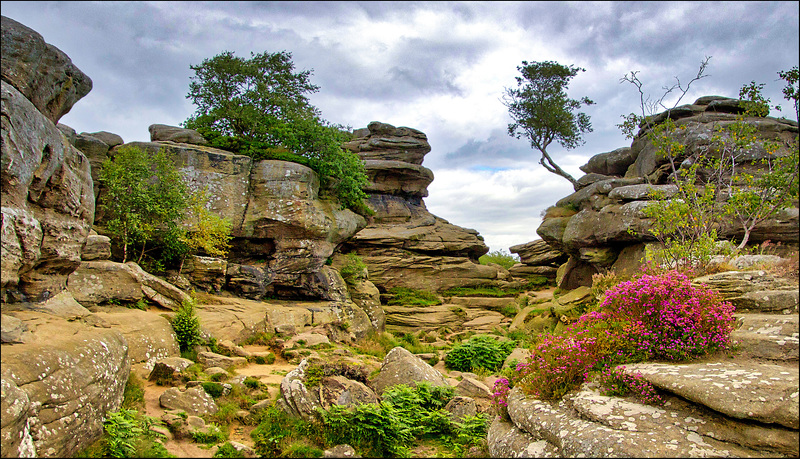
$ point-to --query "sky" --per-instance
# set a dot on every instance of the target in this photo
(440, 67)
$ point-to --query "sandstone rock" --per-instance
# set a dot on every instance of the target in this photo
(61, 305)
(338, 390)
(367, 297)
(194, 401)
(297, 400)
(47, 200)
(613, 224)
(340, 451)
(522, 270)
(109, 138)
(58, 387)
(461, 406)
(40, 71)
(97, 282)
(12, 330)
(538, 253)
(402, 367)
(759, 392)
(68, 132)
(97, 247)
(753, 290)
(612, 163)
(309, 340)
(207, 273)
(169, 369)
(383, 141)
(397, 177)
(504, 439)
(575, 273)
(471, 387)
(211, 359)
(247, 281)
(642, 192)
(162, 132)
(404, 318)
(602, 256)
(768, 336)
(589, 424)
(150, 337)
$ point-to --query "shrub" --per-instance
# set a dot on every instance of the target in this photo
(377, 429)
(669, 318)
(128, 434)
(479, 352)
(500, 257)
(251, 382)
(213, 389)
(187, 326)
(353, 269)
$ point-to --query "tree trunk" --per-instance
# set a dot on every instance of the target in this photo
(554, 168)
(745, 238)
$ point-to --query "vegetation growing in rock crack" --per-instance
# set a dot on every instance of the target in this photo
(259, 107)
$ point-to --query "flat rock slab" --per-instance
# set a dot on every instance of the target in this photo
(757, 392)
(768, 336)
(588, 424)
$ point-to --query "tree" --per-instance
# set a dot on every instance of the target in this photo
(145, 197)
(259, 107)
(791, 91)
(543, 113)
(211, 233)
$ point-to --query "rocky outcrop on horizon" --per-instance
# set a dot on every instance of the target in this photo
(601, 226)
(404, 245)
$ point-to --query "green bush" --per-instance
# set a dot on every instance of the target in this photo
(187, 326)
(128, 434)
(479, 352)
(251, 382)
(376, 429)
(213, 389)
(353, 270)
(500, 257)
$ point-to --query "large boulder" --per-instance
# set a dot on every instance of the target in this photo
(382, 141)
(47, 201)
(59, 385)
(402, 367)
(163, 132)
(40, 71)
(194, 401)
(103, 281)
(150, 337)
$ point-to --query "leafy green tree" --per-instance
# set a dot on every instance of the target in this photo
(145, 197)
(791, 91)
(543, 113)
(259, 107)
(211, 234)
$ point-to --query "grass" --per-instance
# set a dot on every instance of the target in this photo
(402, 296)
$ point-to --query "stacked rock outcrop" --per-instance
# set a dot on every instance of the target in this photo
(47, 199)
(602, 225)
(404, 245)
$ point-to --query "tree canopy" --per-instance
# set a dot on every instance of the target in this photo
(543, 113)
(259, 107)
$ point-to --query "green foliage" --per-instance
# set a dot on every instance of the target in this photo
(500, 257)
(791, 91)
(543, 113)
(376, 429)
(128, 434)
(353, 270)
(403, 296)
(211, 233)
(259, 107)
(275, 431)
(251, 382)
(187, 326)
(213, 389)
(145, 198)
(212, 434)
(480, 351)
(228, 450)
(133, 396)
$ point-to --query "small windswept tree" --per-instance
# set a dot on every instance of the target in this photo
(543, 113)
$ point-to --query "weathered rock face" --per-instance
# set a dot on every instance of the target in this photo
(59, 384)
(47, 199)
(40, 71)
(404, 245)
(605, 217)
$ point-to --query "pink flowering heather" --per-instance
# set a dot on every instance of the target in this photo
(669, 318)
(500, 393)
(614, 381)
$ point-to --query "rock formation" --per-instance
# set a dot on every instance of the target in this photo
(404, 245)
(47, 199)
(602, 226)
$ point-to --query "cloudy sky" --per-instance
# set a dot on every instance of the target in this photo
(439, 67)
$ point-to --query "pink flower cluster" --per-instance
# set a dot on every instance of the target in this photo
(500, 392)
(668, 318)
